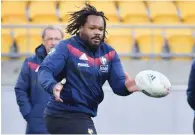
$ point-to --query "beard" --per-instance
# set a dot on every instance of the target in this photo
(92, 47)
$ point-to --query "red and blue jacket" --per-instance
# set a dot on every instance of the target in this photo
(85, 74)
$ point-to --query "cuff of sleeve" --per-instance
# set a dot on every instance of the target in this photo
(127, 92)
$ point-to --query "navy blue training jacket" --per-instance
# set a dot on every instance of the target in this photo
(191, 87)
(85, 74)
(30, 96)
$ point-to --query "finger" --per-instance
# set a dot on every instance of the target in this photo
(59, 99)
(136, 88)
(57, 94)
(126, 76)
(59, 87)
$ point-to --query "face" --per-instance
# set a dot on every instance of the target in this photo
(51, 38)
(93, 30)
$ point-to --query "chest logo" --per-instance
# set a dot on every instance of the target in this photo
(83, 57)
(104, 64)
(103, 60)
(83, 65)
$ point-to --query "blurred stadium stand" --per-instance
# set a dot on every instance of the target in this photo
(135, 28)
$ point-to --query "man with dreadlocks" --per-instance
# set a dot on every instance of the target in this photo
(86, 62)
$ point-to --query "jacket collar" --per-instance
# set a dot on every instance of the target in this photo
(41, 51)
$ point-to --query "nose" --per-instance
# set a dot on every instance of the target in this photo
(97, 32)
(54, 42)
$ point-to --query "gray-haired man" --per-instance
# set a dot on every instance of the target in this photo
(31, 97)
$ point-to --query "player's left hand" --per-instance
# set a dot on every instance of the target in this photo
(130, 84)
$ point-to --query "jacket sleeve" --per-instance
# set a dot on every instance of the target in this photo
(191, 87)
(22, 90)
(52, 65)
(117, 77)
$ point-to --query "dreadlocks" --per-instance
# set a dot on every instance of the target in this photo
(79, 18)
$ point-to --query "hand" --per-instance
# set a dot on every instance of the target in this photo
(56, 91)
(130, 84)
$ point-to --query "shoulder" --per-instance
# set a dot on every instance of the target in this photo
(62, 48)
(63, 44)
(30, 62)
(108, 47)
(30, 59)
(111, 54)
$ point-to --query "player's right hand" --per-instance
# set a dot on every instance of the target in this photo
(57, 89)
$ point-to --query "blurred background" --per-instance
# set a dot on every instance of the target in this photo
(157, 35)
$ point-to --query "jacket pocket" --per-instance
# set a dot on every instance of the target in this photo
(37, 111)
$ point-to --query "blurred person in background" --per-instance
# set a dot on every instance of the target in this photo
(30, 96)
(86, 62)
(191, 90)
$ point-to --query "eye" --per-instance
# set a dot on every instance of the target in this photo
(101, 29)
(91, 28)
(57, 39)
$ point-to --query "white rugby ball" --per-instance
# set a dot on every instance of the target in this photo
(153, 83)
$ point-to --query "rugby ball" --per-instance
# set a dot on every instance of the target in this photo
(153, 83)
